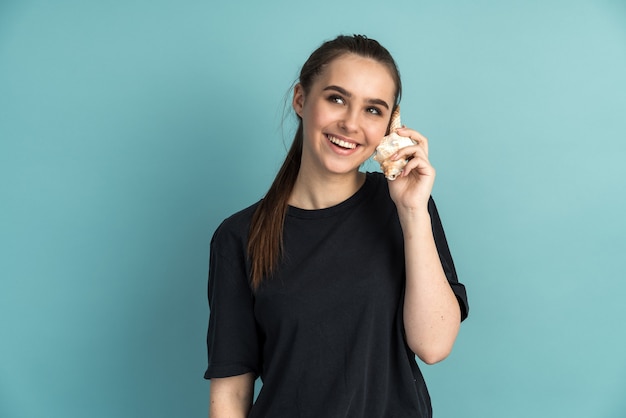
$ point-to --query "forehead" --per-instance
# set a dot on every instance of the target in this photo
(360, 76)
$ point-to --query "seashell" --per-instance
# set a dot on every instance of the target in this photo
(389, 145)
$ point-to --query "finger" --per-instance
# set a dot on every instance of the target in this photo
(410, 152)
(415, 136)
(420, 165)
(411, 133)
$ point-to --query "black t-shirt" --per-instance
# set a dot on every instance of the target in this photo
(325, 333)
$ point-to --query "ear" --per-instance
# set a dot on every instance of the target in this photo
(298, 99)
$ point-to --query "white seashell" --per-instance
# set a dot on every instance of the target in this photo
(389, 145)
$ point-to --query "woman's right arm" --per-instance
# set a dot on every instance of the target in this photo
(231, 397)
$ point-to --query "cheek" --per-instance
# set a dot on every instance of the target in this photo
(377, 131)
(313, 115)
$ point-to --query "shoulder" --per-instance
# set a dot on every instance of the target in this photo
(377, 183)
(378, 189)
(376, 177)
(234, 229)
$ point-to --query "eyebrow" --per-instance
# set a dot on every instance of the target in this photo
(348, 94)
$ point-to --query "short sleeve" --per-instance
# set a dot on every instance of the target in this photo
(232, 341)
(446, 259)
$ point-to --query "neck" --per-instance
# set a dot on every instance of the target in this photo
(324, 191)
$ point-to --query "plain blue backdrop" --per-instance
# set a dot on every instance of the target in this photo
(130, 129)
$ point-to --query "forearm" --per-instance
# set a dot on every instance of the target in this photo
(231, 397)
(431, 311)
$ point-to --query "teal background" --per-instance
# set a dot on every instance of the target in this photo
(130, 129)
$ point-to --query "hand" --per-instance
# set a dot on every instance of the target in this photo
(412, 189)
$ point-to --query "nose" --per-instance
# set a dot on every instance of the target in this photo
(349, 121)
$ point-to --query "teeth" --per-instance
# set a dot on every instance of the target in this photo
(341, 143)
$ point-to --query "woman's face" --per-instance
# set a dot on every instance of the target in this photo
(345, 114)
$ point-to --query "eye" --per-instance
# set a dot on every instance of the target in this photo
(374, 111)
(336, 99)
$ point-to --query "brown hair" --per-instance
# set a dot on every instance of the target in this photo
(265, 241)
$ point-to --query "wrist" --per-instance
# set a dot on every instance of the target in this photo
(414, 217)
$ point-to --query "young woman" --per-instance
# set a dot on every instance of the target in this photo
(330, 285)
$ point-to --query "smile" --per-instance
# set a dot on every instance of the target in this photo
(341, 142)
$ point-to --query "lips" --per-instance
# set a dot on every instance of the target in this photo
(341, 143)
